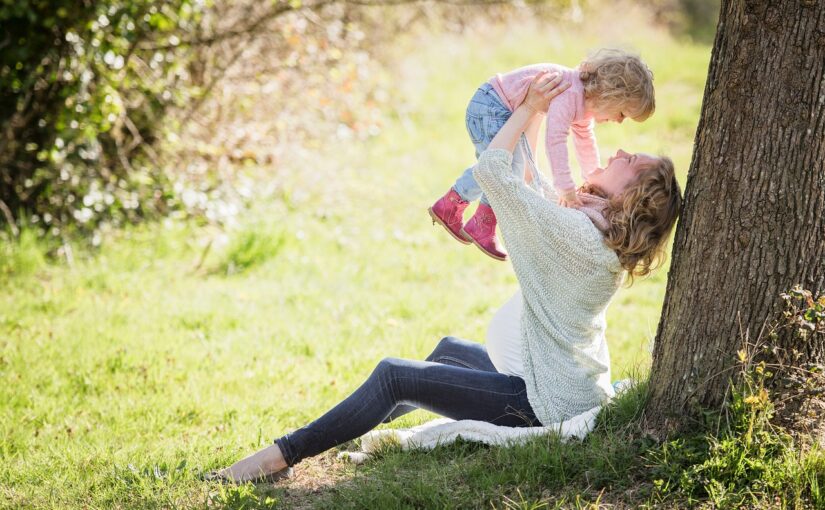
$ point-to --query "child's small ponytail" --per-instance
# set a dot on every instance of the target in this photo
(585, 74)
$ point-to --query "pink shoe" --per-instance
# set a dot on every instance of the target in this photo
(448, 212)
(481, 230)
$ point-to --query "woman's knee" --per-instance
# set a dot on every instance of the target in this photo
(388, 367)
(445, 345)
(389, 376)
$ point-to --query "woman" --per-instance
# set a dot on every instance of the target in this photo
(548, 358)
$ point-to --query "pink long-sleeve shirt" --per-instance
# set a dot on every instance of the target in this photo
(566, 114)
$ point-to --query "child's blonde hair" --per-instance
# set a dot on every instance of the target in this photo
(642, 216)
(618, 80)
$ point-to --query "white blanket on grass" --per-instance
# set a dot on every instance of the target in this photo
(445, 431)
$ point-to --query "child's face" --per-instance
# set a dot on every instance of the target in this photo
(622, 169)
(609, 115)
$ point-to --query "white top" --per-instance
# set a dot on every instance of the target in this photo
(504, 338)
(567, 275)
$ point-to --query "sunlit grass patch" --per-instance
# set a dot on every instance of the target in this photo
(23, 255)
(539, 472)
(249, 248)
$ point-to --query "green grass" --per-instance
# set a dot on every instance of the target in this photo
(468, 475)
(22, 257)
(249, 248)
(126, 373)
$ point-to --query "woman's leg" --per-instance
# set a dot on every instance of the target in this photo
(455, 352)
(461, 353)
(454, 392)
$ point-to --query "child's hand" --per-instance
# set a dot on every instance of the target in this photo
(569, 199)
(544, 87)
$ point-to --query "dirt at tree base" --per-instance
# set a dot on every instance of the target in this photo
(799, 408)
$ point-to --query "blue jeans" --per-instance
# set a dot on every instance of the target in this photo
(486, 114)
(458, 381)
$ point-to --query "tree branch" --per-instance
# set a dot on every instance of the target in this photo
(229, 34)
(283, 8)
(9, 218)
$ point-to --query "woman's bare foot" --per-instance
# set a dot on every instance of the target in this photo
(265, 462)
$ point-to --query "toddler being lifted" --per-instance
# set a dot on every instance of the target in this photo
(610, 85)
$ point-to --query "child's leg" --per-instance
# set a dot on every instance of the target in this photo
(481, 228)
(485, 116)
(467, 187)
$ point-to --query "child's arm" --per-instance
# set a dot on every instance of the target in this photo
(559, 120)
(587, 151)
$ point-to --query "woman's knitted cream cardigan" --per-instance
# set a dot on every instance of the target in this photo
(568, 276)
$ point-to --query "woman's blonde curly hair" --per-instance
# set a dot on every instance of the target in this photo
(618, 80)
(642, 216)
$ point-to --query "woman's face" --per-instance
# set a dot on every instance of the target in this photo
(622, 169)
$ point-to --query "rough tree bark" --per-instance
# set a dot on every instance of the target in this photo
(753, 224)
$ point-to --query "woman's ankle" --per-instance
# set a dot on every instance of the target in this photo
(263, 462)
(274, 459)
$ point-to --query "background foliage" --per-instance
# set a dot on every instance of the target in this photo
(84, 92)
(96, 95)
(115, 111)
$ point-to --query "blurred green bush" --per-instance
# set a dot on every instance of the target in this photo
(694, 18)
(114, 111)
(86, 86)
(111, 113)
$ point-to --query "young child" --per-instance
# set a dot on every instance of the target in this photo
(610, 85)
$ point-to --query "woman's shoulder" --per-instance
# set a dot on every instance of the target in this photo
(596, 239)
(591, 242)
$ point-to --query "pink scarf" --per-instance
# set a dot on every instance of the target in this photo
(593, 206)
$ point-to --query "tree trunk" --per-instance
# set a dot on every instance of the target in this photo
(753, 223)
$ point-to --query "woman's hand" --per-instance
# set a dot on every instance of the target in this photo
(544, 87)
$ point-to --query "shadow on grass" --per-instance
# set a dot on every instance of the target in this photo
(314, 479)
(543, 473)
(616, 466)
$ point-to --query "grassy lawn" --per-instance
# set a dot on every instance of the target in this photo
(124, 375)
